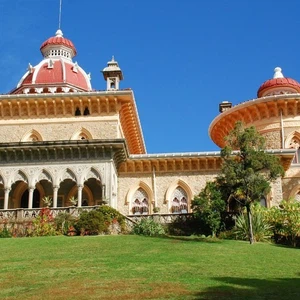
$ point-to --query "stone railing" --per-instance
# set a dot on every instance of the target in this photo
(28, 214)
(161, 218)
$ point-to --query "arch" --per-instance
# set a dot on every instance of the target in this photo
(20, 176)
(174, 185)
(130, 195)
(45, 175)
(32, 136)
(68, 174)
(294, 192)
(92, 173)
(21, 188)
(82, 134)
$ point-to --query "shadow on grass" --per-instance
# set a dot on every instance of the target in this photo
(242, 288)
(192, 239)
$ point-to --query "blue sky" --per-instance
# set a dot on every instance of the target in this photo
(181, 58)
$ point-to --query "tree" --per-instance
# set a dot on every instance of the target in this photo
(247, 169)
(208, 206)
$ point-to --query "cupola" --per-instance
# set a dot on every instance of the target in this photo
(278, 85)
(112, 74)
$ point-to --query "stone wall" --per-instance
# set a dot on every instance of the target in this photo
(194, 181)
(64, 129)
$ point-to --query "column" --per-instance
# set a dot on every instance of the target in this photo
(79, 203)
(6, 197)
(30, 197)
(55, 191)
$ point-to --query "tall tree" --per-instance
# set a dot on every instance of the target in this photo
(247, 168)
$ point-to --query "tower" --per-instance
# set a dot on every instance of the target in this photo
(113, 75)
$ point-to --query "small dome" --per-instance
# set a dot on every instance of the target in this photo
(58, 40)
(278, 85)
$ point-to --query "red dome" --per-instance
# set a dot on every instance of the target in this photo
(59, 40)
(279, 85)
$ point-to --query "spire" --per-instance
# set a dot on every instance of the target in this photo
(278, 73)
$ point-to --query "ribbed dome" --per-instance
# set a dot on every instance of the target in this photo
(278, 85)
(56, 72)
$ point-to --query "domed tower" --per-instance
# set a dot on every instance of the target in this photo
(275, 113)
(56, 73)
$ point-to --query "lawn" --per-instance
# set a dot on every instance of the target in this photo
(134, 267)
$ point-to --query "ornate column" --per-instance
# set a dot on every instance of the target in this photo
(80, 187)
(6, 197)
(55, 191)
(30, 197)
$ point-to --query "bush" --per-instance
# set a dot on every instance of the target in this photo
(90, 223)
(148, 227)
(285, 221)
(5, 233)
(43, 224)
(64, 222)
(260, 226)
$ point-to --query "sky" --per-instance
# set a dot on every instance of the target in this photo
(181, 58)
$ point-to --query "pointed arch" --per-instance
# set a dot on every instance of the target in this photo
(295, 193)
(32, 136)
(92, 173)
(293, 141)
(183, 199)
(82, 134)
(68, 174)
(45, 175)
(20, 176)
(142, 186)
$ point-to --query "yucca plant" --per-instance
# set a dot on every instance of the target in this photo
(262, 230)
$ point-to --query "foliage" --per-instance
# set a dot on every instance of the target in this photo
(112, 216)
(209, 206)
(261, 228)
(5, 233)
(247, 169)
(63, 222)
(91, 223)
(47, 200)
(285, 220)
(43, 224)
(148, 227)
(73, 200)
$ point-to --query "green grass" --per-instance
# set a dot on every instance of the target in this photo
(134, 267)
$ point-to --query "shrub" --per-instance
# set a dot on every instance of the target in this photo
(260, 226)
(285, 221)
(148, 227)
(112, 216)
(43, 224)
(90, 223)
(64, 222)
(5, 233)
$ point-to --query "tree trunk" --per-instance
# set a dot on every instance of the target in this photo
(251, 238)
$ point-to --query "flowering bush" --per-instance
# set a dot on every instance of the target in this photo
(43, 224)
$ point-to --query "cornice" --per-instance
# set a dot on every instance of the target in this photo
(265, 110)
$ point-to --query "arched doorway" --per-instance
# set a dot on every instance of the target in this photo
(35, 201)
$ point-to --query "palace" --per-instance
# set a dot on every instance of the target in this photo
(60, 138)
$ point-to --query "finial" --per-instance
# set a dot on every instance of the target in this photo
(278, 73)
(113, 58)
(59, 33)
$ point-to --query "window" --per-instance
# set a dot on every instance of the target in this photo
(140, 205)
(179, 201)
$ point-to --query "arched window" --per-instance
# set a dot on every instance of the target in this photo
(179, 201)
(294, 144)
(140, 203)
